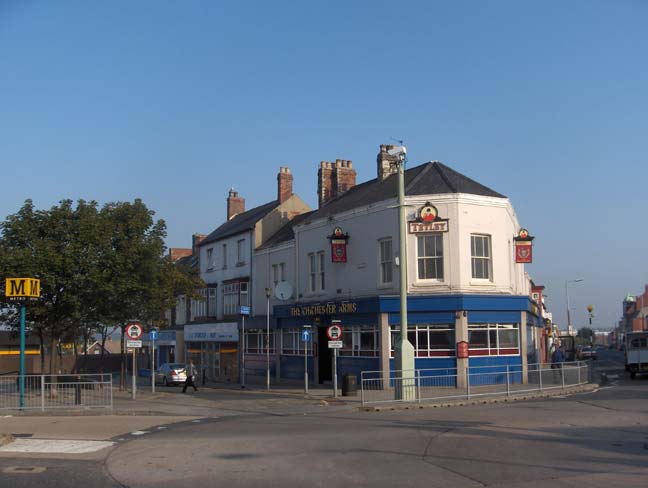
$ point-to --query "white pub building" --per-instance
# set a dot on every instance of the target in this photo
(341, 263)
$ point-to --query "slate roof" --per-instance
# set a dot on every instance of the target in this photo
(432, 178)
(286, 233)
(241, 222)
(188, 261)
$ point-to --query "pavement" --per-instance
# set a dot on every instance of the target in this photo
(253, 437)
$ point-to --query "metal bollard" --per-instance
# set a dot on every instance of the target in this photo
(508, 382)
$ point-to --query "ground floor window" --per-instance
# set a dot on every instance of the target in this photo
(256, 341)
(292, 344)
(360, 341)
(428, 340)
(494, 339)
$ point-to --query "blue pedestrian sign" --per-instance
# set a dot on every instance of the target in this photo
(245, 310)
(154, 335)
(306, 335)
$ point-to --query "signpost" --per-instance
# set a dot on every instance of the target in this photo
(21, 290)
(306, 337)
(244, 311)
(133, 335)
(154, 335)
(334, 333)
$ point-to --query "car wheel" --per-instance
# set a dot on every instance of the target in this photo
(165, 382)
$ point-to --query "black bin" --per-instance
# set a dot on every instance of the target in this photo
(349, 385)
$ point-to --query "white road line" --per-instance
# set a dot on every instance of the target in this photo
(50, 446)
(139, 432)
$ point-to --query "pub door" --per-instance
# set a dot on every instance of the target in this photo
(324, 356)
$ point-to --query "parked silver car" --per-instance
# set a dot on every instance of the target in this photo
(171, 374)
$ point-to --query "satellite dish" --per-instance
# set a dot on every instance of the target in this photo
(283, 290)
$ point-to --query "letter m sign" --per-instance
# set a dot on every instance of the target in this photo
(22, 288)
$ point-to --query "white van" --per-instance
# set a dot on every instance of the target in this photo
(636, 353)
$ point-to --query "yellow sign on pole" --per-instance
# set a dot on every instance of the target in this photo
(22, 288)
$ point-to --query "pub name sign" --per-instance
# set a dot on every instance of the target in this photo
(323, 309)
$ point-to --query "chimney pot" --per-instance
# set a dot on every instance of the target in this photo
(235, 204)
(284, 184)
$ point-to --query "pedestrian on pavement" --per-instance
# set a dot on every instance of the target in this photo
(191, 375)
(557, 360)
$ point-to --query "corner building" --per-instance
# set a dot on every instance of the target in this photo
(342, 262)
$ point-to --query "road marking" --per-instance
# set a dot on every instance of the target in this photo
(161, 428)
(49, 446)
(613, 376)
(139, 432)
(23, 469)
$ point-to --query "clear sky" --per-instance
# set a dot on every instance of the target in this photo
(174, 102)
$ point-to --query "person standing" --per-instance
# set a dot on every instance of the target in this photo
(557, 360)
(191, 375)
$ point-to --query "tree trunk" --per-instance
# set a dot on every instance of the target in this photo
(104, 336)
(41, 339)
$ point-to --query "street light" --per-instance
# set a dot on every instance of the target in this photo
(567, 298)
(404, 350)
(268, 292)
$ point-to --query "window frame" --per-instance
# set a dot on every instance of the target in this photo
(352, 341)
(240, 261)
(428, 352)
(321, 271)
(384, 263)
(438, 236)
(291, 343)
(210, 264)
(494, 329)
(483, 259)
(224, 248)
(312, 273)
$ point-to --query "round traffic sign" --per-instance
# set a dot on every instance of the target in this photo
(334, 332)
(134, 331)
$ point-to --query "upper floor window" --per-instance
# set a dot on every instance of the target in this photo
(199, 304)
(320, 270)
(429, 250)
(211, 303)
(312, 273)
(240, 252)
(210, 253)
(480, 251)
(278, 273)
(386, 259)
(235, 295)
(224, 256)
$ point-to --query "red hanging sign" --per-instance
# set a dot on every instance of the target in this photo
(523, 247)
(339, 245)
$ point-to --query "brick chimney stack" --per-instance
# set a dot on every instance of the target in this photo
(284, 184)
(386, 163)
(235, 204)
(334, 179)
(196, 239)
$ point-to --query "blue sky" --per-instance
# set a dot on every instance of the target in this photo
(174, 102)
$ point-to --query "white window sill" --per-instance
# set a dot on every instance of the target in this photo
(479, 282)
(429, 283)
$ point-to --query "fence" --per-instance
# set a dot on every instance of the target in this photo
(47, 392)
(481, 381)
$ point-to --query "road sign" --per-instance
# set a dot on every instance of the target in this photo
(154, 335)
(334, 332)
(133, 331)
(306, 335)
(16, 288)
(245, 310)
(335, 344)
(131, 344)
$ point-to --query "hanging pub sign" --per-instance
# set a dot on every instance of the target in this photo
(339, 245)
(523, 247)
(427, 220)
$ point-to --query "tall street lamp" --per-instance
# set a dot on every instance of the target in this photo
(567, 299)
(404, 350)
(268, 292)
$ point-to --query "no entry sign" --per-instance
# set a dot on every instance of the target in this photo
(134, 331)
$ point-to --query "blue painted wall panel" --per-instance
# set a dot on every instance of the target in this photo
(292, 367)
(255, 364)
(424, 318)
(501, 316)
(349, 365)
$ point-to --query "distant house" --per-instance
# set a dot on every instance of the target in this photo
(110, 347)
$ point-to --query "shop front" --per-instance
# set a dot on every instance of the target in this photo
(495, 328)
(165, 346)
(213, 348)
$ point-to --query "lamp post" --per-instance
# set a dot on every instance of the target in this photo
(567, 299)
(268, 291)
(404, 350)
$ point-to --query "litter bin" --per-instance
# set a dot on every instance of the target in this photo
(350, 385)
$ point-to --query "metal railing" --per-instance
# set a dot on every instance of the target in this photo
(477, 381)
(47, 392)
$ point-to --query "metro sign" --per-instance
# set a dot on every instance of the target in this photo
(17, 288)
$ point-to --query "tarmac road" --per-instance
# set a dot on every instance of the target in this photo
(596, 439)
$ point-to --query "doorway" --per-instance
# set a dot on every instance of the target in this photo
(323, 356)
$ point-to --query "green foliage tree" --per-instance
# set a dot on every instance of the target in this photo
(98, 268)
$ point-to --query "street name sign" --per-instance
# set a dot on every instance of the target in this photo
(335, 344)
